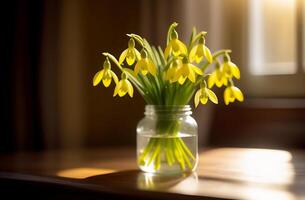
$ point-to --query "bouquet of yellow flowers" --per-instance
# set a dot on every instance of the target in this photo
(171, 78)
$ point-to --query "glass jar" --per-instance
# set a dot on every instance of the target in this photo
(167, 140)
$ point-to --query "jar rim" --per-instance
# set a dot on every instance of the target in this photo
(168, 109)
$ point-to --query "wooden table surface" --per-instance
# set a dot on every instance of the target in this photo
(223, 173)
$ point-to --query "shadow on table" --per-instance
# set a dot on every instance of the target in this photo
(140, 180)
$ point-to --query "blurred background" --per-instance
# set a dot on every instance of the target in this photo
(50, 50)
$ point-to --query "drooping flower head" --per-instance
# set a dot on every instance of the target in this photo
(131, 54)
(229, 68)
(200, 51)
(172, 74)
(217, 77)
(145, 65)
(189, 71)
(175, 46)
(106, 75)
(231, 93)
(123, 87)
(203, 94)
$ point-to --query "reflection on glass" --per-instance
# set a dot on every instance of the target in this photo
(272, 36)
(150, 181)
(81, 173)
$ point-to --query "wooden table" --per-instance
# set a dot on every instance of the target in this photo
(223, 173)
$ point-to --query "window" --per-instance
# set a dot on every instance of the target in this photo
(303, 20)
(273, 37)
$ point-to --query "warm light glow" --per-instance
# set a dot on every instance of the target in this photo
(257, 193)
(272, 36)
(269, 166)
(80, 173)
(254, 165)
(231, 190)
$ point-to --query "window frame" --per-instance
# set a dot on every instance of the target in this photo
(259, 85)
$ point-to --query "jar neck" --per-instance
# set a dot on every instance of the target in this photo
(168, 110)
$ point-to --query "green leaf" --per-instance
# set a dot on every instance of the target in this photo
(191, 38)
(138, 38)
(169, 32)
(161, 54)
(113, 59)
(221, 52)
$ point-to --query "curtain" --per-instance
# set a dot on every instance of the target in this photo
(20, 100)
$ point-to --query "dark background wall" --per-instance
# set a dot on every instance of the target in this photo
(51, 50)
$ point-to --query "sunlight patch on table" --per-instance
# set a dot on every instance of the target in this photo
(255, 165)
(81, 173)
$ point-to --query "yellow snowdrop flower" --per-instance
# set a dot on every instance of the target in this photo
(217, 77)
(145, 65)
(231, 93)
(106, 75)
(200, 51)
(203, 94)
(188, 70)
(175, 46)
(131, 54)
(123, 87)
(229, 68)
(172, 72)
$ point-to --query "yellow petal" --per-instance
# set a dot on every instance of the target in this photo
(185, 70)
(204, 99)
(116, 89)
(219, 83)
(130, 56)
(238, 94)
(123, 56)
(197, 98)
(114, 76)
(224, 80)
(211, 80)
(192, 53)
(107, 82)
(175, 75)
(137, 67)
(178, 47)
(235, 71)
(182, 79)
(170, 73)
(225, 68)
(167, 51)
(192, 76)
(107, 77)
(144, 71)
(208, 54)
(138, 55)
(122, 90)
(227, 95)
(182, 47)
(220, 78)
(212, 96)
(130, 88)
(219, 73)
(144, 66)
(152, 68)
(196, 69)
(199, 54)
(98, 77)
